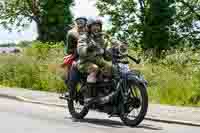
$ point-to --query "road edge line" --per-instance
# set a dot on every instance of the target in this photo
(169, 121)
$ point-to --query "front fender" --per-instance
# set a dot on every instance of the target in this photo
(135, 78)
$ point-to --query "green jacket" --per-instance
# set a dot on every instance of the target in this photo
(90, 46)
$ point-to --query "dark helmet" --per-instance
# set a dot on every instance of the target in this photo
(81, 21)
(82, 17)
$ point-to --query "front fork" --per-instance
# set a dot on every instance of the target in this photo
(121, 96)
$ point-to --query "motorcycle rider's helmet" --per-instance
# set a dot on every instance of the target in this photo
(93, 21)
(90, 22)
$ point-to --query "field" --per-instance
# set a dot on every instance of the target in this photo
(174, 79)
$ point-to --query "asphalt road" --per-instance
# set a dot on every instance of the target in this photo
(20, 117)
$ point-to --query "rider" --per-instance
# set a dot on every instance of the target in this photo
(70, 51)
(72, 41)
(91, 46)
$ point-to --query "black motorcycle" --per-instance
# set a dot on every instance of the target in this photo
(123, 95)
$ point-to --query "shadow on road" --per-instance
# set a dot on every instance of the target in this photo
(149, 127)
(112, 123)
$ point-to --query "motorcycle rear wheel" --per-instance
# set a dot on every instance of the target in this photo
(75, 113)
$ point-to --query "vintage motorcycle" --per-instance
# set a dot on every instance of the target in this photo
(123, 95)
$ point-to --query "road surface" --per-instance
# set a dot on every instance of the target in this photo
(20, 117)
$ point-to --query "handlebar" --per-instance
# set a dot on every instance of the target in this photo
(137, 61)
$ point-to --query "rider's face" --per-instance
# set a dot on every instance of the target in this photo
(81, 23)
(95, 28)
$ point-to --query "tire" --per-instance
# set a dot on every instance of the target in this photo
(74, 113)
(144, 107)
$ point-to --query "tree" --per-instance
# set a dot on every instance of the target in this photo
(51, 16)
(187, 23)
(123, 15)
(136, 24)
(159, 19)
(158, 24)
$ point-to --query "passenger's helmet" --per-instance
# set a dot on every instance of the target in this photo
(81, 21)
(81, 18)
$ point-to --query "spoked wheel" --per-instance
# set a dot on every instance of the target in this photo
(137, 106)
(76, 104)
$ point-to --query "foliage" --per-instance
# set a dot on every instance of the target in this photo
(7, 45)
(186, 29)
(50, 22)
(157, 24)
(36, 68)
(123, 15)
(56, 17)
(158, 19)
(175, 78)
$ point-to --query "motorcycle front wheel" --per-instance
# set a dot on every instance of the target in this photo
(138, 107)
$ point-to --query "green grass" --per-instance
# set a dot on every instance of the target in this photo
(36, 68)
(173, 80)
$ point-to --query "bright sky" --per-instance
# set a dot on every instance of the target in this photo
(82, 8)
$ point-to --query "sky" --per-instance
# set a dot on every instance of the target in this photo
(82, 8)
